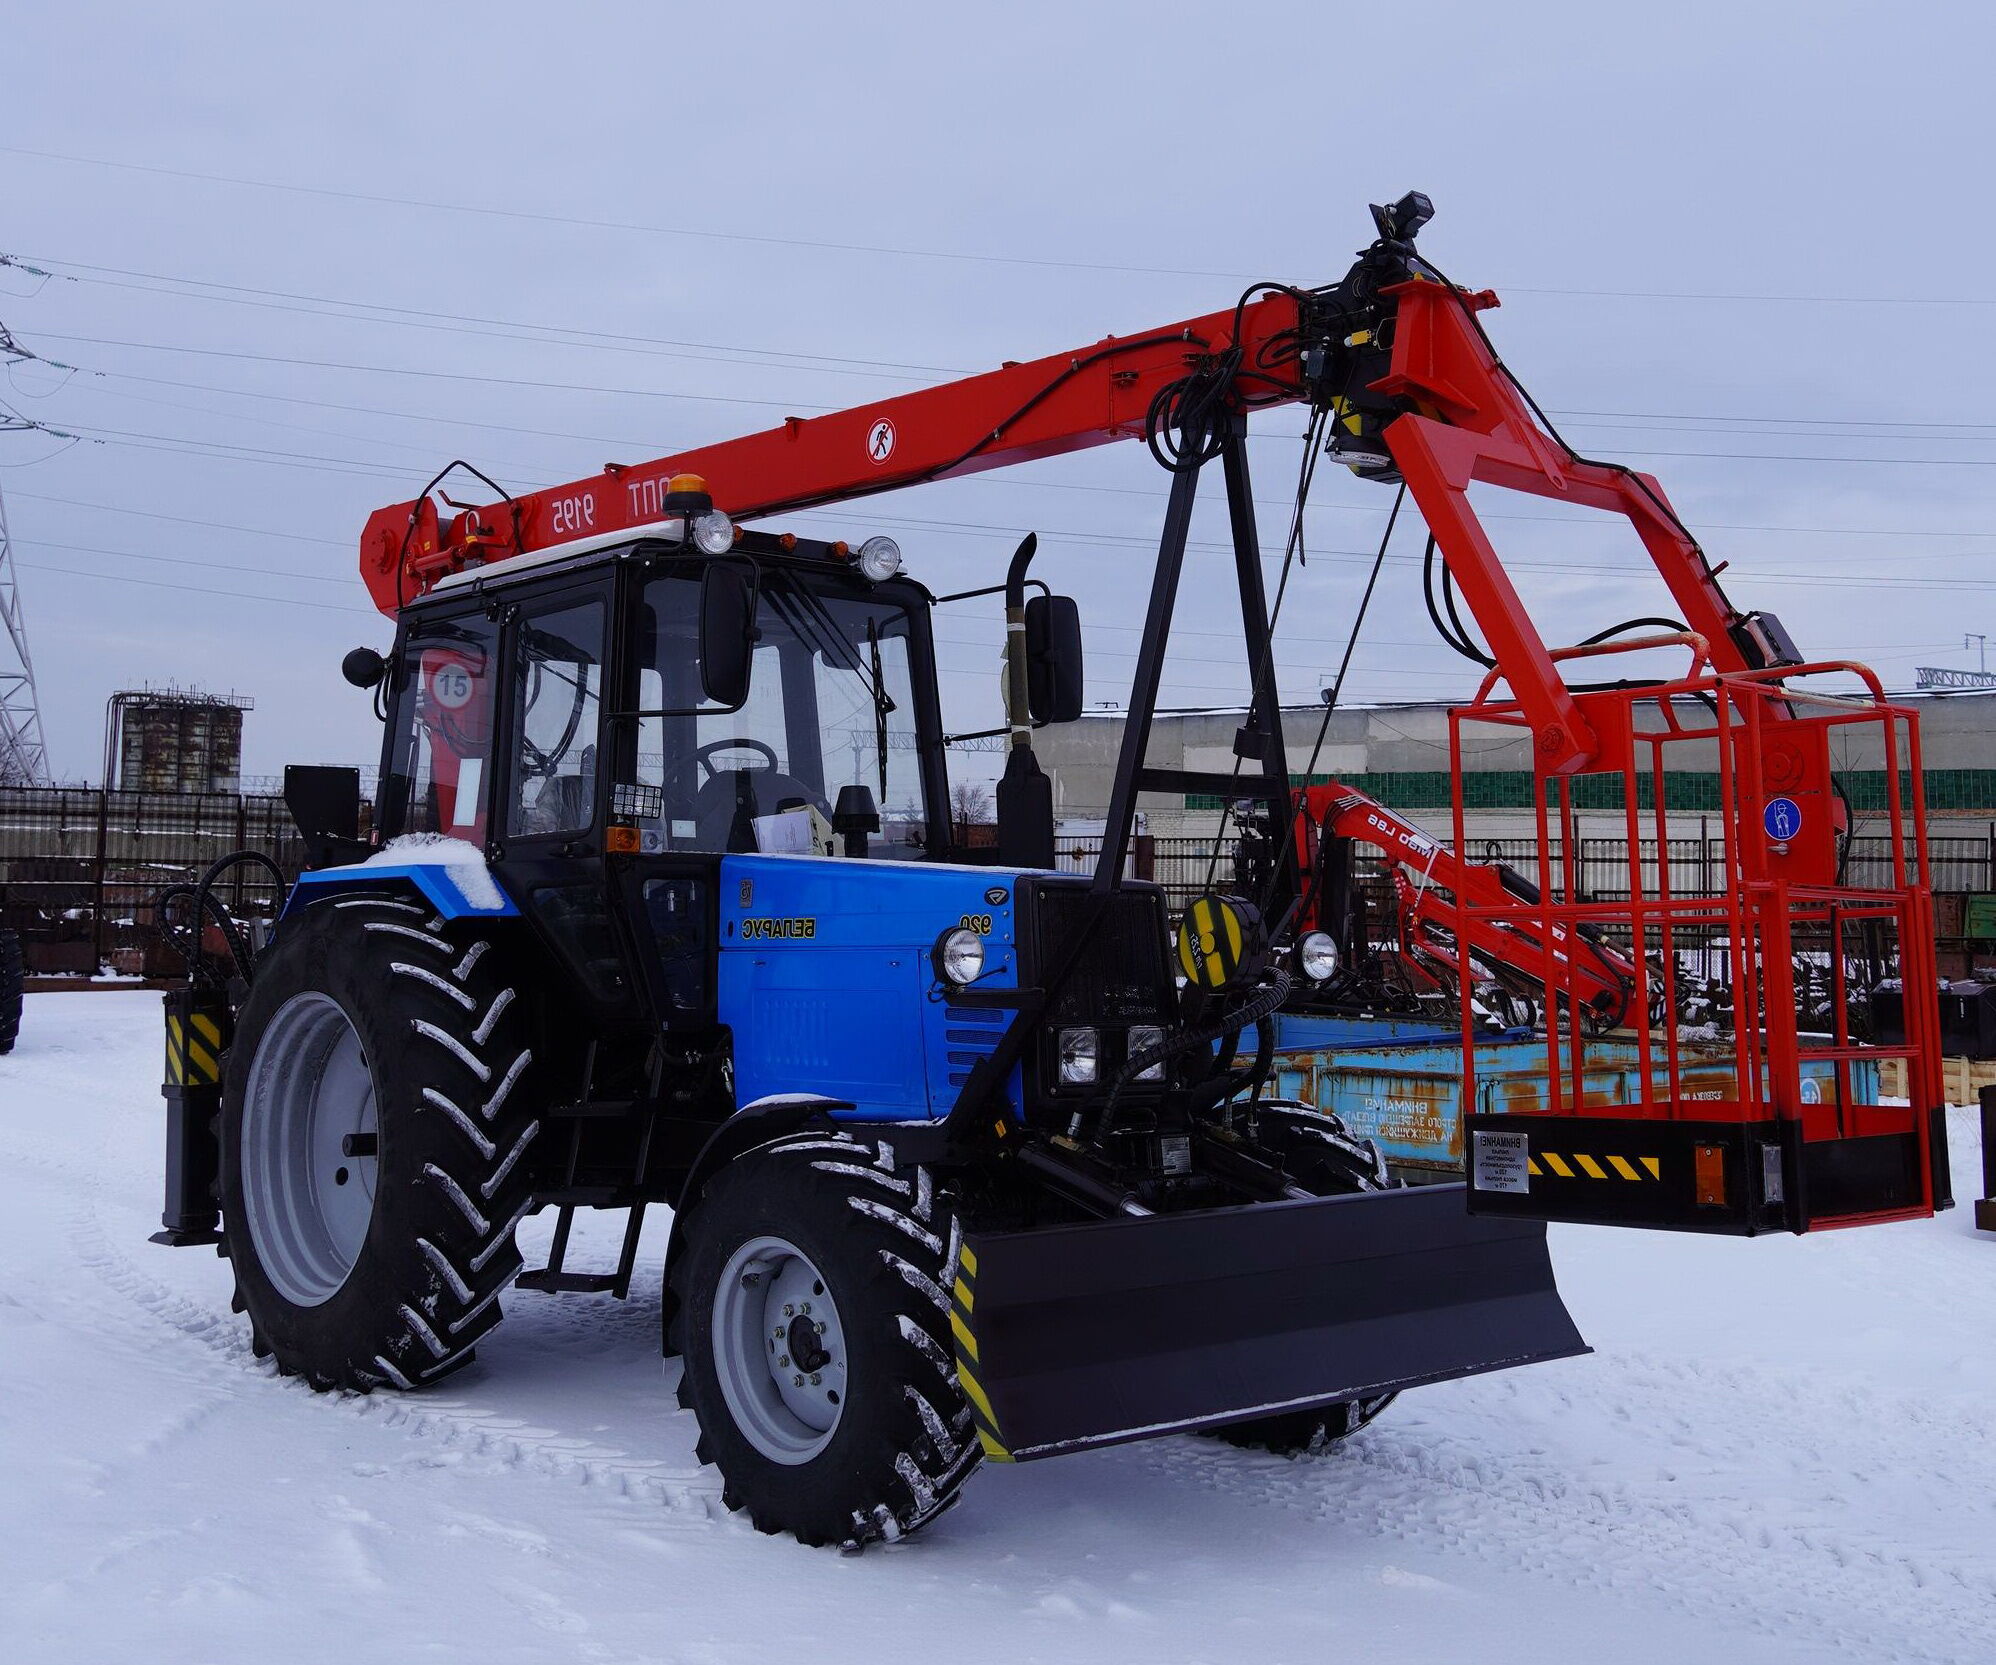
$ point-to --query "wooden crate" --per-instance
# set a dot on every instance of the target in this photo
(1962, 1079)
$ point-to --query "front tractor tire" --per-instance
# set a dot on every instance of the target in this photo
(377, 1105)
(1324, 1156)
(812, 1318)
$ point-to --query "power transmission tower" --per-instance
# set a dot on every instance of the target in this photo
(24, 757)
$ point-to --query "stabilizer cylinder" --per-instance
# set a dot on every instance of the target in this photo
(198, 1025)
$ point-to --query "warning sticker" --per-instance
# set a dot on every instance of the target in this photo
(880, 440)
(1498, 1163)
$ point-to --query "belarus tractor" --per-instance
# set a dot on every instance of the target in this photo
(968, 1158)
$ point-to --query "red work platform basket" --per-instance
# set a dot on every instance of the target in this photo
(1785, 1132)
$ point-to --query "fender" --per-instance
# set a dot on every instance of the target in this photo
(433, 881)
(749, 1128)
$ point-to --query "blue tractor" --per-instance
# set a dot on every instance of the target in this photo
(969, 1158)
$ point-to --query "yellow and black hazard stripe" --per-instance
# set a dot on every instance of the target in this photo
(193, 1050)
(1219, 939)
(963, 1302)
(1577, 1165)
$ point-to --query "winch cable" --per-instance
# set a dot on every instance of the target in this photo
(1286, 841)
(1293, 553)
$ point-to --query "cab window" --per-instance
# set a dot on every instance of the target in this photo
(558, 678)
(830, 696)
(439, 771)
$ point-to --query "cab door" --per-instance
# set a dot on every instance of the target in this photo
(549, 815)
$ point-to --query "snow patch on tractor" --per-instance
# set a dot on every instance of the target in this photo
(465, 863)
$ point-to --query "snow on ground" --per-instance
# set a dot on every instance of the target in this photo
(1783, 1450)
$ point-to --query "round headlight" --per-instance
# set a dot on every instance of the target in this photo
(878, 558)
(959, 956)
(1317, 954)
(713, 532)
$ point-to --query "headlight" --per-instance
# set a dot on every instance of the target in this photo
(713, 532)
(1317, 954)
(959, 956)
(878, 558)
(1078, 1051)
(1142, 1038)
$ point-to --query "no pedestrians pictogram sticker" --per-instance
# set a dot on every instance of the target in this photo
(880, 440)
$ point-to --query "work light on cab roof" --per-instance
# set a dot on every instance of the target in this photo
(687, 501)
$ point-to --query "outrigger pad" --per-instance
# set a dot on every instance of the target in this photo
(1072, 1336)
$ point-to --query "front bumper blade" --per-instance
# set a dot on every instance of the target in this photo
(1092, 1334)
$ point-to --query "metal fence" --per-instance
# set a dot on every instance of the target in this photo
(80, 868)
(1694, 866)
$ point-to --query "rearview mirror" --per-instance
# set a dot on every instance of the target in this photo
(727, 632)
(1053, 659)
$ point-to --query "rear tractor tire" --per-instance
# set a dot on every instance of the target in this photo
(13, 976)
(1325, 1158)
(813, 1323)
(377, 1105)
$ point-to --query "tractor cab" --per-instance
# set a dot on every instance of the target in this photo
(604, 729)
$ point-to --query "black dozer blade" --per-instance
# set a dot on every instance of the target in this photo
(1073, 1336)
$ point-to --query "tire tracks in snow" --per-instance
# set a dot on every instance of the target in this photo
(1472, 1480)
(455, 1423)
(1764, 1561)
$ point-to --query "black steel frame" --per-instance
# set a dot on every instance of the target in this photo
(1260, 737)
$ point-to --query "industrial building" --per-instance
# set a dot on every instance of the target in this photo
(1399, 754)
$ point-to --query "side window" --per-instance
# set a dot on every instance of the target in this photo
(443, 722)
(558, 675)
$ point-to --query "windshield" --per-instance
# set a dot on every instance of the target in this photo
(831, 704)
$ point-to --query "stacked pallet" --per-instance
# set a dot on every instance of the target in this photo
(1962, 1079)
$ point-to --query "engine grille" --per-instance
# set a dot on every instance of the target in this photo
(1122, 975)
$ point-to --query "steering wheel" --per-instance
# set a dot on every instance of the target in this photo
(704, 755)
(715, 801)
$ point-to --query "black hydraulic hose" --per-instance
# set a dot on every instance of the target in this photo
(206, 902)
(185, 938)
(1231, 1022)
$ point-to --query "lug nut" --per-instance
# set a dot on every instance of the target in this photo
(816, 1378)
(797, 1381)
(784, 1361)
(789, 1311)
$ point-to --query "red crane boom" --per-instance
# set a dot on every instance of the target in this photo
(1460, 420)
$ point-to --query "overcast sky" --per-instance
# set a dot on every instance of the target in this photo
(1744, 246)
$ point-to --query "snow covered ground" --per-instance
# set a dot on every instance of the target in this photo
(1783, 1450)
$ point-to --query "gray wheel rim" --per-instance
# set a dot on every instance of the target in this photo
(771, 1299)
(307, 1202)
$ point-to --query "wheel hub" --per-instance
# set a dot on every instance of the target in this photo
(310, 1149)
(779, 1350)
(806, 1344)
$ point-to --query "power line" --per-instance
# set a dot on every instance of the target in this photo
(437, 375)
(184, 520)
(346, 581)
(787, 358)
(195, 589)
(552, 335)
(913, 252)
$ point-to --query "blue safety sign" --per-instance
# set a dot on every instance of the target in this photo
(1782, 818)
